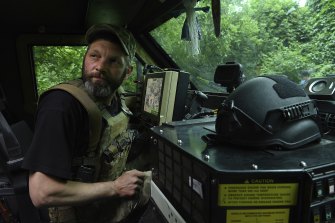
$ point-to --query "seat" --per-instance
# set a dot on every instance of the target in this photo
(15, 203)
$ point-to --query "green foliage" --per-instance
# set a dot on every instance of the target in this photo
(129, 84)
(286, 61)
(55, 64)
(323, 31)
(265, 36)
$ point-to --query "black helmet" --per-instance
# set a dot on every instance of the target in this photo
(268, 111)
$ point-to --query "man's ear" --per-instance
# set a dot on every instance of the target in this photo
(128, 73)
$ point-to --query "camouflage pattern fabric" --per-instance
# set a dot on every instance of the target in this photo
(112, 155)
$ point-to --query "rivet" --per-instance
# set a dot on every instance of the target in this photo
(303, 164)
(206, 157)
(254, 166)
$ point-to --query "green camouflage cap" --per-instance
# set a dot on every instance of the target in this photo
(104, 30)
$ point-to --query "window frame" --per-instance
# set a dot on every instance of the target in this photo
(24, 46)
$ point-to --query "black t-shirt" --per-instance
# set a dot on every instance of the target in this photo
(61, 133)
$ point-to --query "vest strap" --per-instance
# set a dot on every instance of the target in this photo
(92, 109)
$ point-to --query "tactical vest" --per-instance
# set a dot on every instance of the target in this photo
(105, 158)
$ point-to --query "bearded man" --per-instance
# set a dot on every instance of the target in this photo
(76, 181)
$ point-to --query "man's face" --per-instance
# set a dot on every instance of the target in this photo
(105, 67)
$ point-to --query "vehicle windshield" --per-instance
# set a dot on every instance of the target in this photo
(295, 38)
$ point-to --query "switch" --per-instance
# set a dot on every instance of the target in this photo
(328, 212)
(331, 186)
(319, 189)
(316, 215)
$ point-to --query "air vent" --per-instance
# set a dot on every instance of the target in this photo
(323, 117)
(331, 121)
(327, 122)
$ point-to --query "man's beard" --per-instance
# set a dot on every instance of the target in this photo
(98, 91)
(102, 90)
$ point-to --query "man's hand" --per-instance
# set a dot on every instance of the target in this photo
(130, 183)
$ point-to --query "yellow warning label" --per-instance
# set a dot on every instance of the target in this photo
(258, 215)
(281, 194)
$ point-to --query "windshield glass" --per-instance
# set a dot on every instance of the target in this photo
(295, 38)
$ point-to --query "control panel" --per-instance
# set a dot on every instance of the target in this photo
(322, 198)
(211, 183)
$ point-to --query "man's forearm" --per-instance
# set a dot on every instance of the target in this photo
(47, 191)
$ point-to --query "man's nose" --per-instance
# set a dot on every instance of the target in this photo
(101, 66)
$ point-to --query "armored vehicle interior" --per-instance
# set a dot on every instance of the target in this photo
(221, 148)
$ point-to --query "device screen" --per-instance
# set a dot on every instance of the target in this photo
(153, 95)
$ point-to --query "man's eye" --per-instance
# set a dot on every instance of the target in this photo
(112, 60)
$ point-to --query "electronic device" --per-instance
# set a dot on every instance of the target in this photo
(322, 88)
(229, 75)
(164, 96)
(212, 183)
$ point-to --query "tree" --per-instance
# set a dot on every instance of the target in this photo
(322, 46)
(265, 36)
(55, 64)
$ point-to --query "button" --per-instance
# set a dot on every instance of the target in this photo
(328, 212)
(331, 186)
(316, 215)
(319, 189)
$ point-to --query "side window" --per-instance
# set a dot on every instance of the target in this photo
(129, 84)
(55, 64)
